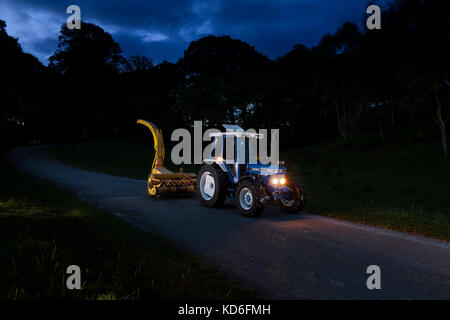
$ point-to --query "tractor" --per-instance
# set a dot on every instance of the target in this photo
(250, 185)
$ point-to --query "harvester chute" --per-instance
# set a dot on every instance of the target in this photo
(162, 181)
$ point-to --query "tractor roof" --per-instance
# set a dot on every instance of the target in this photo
(237, 134)
(236, 131)
(232, 127)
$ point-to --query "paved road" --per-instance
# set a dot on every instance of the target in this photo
(284, 256)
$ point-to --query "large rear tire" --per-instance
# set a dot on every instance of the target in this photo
(300, 197)
(250, 198)
(211, 186)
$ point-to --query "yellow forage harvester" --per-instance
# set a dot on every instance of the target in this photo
(162, 181)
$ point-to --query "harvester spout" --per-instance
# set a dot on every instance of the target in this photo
(160, 152)
(160, 180)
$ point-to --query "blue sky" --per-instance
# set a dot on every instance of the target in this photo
(162, 30)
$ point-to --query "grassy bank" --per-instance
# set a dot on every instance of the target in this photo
(44, 229)
(126, 157)
(392, 186)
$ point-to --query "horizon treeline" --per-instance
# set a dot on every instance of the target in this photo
(392, 83)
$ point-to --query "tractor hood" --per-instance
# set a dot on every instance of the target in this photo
(266, 169)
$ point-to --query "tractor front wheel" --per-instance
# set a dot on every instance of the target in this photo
(299, 202)
(250, 198)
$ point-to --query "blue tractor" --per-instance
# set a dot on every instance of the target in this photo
(250, 184)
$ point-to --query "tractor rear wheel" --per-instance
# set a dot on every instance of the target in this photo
(299, 202)
(250, 198)
(211, 186)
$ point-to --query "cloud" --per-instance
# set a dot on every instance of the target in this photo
(163, 29)
(274, 27)
(36, 29)
(150, 36)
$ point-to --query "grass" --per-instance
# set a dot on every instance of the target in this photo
(44, 229)
(122, 156)
(391, 186)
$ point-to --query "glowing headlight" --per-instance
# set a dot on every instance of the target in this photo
(275, 181)
(282, 181)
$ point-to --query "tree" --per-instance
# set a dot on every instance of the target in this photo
(341, 75)
(423, 70)
(220, 80)
(90, 61)
(137, 63)
(24, 99)
(152, 96)
(87, 51)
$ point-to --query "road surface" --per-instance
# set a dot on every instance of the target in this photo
(283, 256)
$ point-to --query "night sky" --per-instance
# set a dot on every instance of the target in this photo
(162, 30)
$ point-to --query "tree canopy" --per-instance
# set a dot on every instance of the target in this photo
(393, 82)
(89, 50)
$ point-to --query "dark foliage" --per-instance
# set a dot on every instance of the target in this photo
(393, 81)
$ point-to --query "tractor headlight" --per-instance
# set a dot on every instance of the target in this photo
(278, 180)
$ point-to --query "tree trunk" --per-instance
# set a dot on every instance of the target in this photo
(392, 111)
(344, 119)
(381, 133)
(444, 143)
(380, 126)
(440, 122)
(341, 122)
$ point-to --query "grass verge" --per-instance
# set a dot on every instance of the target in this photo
(45, 229)
(130, 157)
(390, 186)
